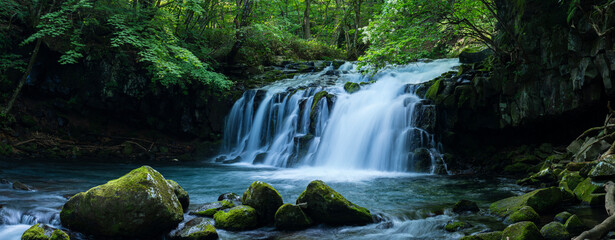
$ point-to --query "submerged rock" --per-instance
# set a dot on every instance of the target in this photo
(139, 204)
(554, 231)
(196, 229)
(209, 209)
(522, 231)
(182, 195)
(526, 213)
(541, 200)
(351, 87)
(465, 206)
(324, 205)
(17, 185)
(264, 199)
(237, 218)
(456, 226)
(291, 217)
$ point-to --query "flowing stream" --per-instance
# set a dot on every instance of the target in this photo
(373, 146)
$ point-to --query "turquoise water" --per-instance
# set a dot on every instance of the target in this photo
(407, 201)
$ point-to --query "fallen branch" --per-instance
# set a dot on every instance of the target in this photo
(24, 142)
(600, 230)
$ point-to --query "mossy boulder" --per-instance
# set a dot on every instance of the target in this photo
(36, 232)
(465, 206)
(237, 218)
(182, 195)
(570, 180)
(521, 231)
(589, 193)
(526, 213)
(484, 236)
(541, 200)
(325, 205)
(554, 231)
(602, 170)
(209, 209)
(291, 217)
(59, 235)
(352, 87)
(196, 229)
(574, 225)
(456, 226)
(230, 196)
(139, 204)
(562, 217)
(264, 198)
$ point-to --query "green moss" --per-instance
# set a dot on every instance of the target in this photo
(524, 214)
(433, 91)
(237, 218)
(291, 217)
(208, 210)
(589, 193)
(140, 203)
(351, 87)
(562, 217)
(541, 200)
(324, 205)
(574, 225)
(456, 226)
(264, 198)
(517, 168)
(466, 96)
(182, 195)
(35, 232)
(5, 149)
(554, 230)
(59, 235)
(522, 231)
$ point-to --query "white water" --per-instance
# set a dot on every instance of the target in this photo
(372, 129)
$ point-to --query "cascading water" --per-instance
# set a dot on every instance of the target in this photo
(311, 120)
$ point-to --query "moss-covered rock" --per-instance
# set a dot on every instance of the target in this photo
(456, 226)
(465, 206)
(554, 231)
(541, 200)
(264, 198)
(209, 209)
(562, 217)
(291, 217)
(574, 225)
(35, 232)
(521, 231)
(138, 204)
(59, 235)
(602, 170)
(433, 90)
(229, 196)
(196, 229)
(526, 213)
(570, 179)
(351, 87)
(324, 205)
(589, 192)
(182, 195)
(517, 168)
(237, 218)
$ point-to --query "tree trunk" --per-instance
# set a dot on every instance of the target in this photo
(608, 224)
(9, 105)
(242, 19)
(307, 34)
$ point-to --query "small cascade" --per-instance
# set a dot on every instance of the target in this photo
(384, 126)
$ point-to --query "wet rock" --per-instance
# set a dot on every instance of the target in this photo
(524, 214)
(291, 217)
(456, 226)
(562, 217)
(541, 200)
(470, 56)
(17, 185)
(574, 225)
(138, 204)
(209, 209)
(603, 170)
(545, 177)
(589, 193)
(324, 205)
(195, 229)
(44, 232)
(484, 236)
(421, 160)
(522, 231)
(555, 231)
(264, 198)
(569, 181)
(260, 158)
(465, 206)
(352, 87)
(230, 196)
(235, 160)
(237, 218)
(182, 195)
(59, 235)
(4, 181)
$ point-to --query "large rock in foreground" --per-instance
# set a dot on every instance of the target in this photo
(522, 231)
(237, 218)
(291, 217)
(542, 200)
(324, 205)
(137, 205)
(264, 198)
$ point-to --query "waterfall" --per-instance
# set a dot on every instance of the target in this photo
(311, 120)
